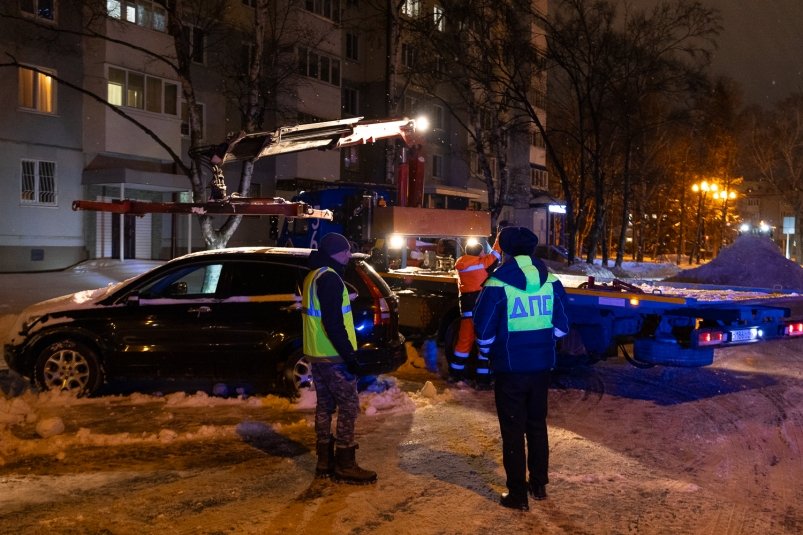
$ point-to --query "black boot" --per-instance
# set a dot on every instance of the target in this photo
(512, 501)
(538, 492)
(326, 459)
(347, 470)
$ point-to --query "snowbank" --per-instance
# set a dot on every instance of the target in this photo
(751, 261)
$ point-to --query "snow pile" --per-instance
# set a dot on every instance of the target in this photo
(33, 423)
(751, 261)
(629, 270)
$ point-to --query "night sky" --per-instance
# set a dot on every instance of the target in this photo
(761, 46)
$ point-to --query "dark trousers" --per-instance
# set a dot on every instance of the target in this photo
(521, 405)
(336, 390)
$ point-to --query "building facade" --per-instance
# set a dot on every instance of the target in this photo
(63, 139)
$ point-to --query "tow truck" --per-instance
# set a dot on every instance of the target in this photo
(607, 319)
(653, 328)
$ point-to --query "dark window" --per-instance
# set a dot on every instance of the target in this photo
(352, 47)
(43, 9)
(263, 278)
(198, 45)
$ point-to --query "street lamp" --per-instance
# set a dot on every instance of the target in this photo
(701, 189)
(724, 196)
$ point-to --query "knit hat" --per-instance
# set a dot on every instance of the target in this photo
(333, 243)
(515, 241)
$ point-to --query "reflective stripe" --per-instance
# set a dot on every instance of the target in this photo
(475, 267)
(467, 314)
(483, 371)
(317, 313)
(461, 354)
(487, 341)
(457, 366)
(485, 350)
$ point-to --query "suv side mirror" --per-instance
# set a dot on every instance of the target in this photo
(177, 288)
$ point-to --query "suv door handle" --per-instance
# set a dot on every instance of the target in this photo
(200, 310)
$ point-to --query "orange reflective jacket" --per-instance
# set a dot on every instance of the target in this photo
(473, 270)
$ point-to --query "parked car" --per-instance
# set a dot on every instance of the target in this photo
(229, 315)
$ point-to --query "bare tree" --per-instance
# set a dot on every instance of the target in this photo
(212, 20)
(773, 148)
(468, 58)
(606, 66)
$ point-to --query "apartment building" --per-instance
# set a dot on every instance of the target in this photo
(62, 140)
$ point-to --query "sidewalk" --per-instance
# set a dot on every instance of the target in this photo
(18, 290)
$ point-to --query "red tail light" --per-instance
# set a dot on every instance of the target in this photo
(794, 329)
(710, 338)
(380, 306)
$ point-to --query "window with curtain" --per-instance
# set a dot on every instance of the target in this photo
(37, 91)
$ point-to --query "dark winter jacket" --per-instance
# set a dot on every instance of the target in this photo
(526, 350)
(330, 297)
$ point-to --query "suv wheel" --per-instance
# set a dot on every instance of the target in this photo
(298, 373)
(68, 366)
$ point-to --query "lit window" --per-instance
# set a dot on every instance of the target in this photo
(411, 8)
(37, 91)
(115, 86)
(38, 184)
(146, 13)
(40, 9)
(136, 90)
(439, 20)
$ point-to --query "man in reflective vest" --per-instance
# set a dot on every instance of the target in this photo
(330, 343)
(519, 313)
(472, 270)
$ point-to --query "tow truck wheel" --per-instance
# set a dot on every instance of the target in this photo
(68, 366)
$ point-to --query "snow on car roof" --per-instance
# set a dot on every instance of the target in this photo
(294, 251)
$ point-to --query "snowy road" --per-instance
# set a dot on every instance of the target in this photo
(665, 450)
(661, 450)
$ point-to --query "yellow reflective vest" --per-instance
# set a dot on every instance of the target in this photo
(316, 342)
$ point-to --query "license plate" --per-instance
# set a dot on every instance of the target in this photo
(743, 335)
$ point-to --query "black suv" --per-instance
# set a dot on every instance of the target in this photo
(229, 315)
